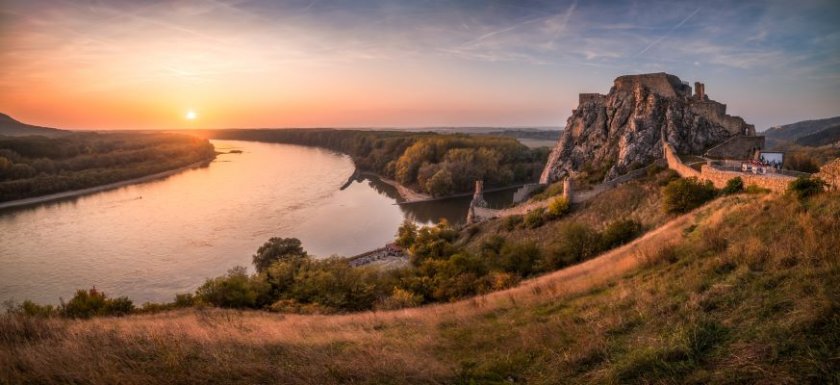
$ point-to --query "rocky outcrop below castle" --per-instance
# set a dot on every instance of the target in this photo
(609, 135)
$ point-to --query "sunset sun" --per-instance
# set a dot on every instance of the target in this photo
(191, 115)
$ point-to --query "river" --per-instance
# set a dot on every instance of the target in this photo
(151, 240)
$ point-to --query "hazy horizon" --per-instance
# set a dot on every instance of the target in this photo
(382, 64)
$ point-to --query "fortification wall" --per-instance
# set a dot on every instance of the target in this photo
(711, 110)
(591, 97)
(718, 177)
(773, 182)
(660, 83)
(674, 162)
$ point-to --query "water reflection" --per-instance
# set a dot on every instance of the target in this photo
(151, 240)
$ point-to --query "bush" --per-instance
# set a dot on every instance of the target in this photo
(686, 194)
(534, 218)
(804, 187)
(733, 186)
(277, 249)
(234, 290)
(89, 303)
(620, 232)
(575, 243)
(558, 208)
(400, 299)
(519, 258)
(549, 191)
(512, 222)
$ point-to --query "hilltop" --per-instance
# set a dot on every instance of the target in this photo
(609, 135)
(11, 127)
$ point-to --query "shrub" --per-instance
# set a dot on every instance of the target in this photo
(400, 299)
(89, 303)
(31, 309)
(512, 222)
(534, 218)
(620, 232)
(804, 187)
(557, 208)
(549, 191)
(234, 290)
(733, 186)
(575, 243)
(686, 194)
(277, 249)
(519, 258)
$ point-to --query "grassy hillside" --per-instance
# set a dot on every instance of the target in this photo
(742, 290)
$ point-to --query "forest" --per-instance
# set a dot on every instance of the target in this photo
(437, 164)
(31, 166)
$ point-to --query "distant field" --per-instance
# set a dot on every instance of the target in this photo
(537, 143)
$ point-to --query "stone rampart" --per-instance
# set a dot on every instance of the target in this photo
(674, 162)
(773, 182)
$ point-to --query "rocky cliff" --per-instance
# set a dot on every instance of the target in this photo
(609, 135)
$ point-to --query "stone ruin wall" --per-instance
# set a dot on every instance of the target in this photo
(674, 162)
(660, 83)
(591, 97)
(773, 182)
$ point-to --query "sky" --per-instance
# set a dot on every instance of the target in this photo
(415, 63)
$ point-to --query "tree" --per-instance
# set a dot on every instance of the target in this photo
(277, 249)
(406, 234)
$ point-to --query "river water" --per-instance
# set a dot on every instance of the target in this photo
(151, 240)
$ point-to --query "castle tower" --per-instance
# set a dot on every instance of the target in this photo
(699, 91)
(478, 195)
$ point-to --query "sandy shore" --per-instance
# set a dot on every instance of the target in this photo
(91, 190)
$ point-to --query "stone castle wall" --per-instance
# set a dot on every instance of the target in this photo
(591, 97)
(660, 83)
(674, 162)
(773, 182)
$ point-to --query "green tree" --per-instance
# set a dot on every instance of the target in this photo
(406, 234)
(277, 249)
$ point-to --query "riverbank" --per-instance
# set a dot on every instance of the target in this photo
(105, 187)
(407, 194)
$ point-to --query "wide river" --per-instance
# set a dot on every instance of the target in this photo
(151, 240)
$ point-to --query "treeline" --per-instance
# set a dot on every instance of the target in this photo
(35, 165)
(438, 164)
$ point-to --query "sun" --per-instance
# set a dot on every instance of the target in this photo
(191, 115)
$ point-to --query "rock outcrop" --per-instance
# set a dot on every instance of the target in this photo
(609, 135)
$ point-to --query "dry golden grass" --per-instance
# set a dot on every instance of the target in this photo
(627, 316)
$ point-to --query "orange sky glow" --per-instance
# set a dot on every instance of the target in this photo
(143, 65)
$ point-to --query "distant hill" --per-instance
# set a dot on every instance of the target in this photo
(11, 127)
(827, 136)
(791, 132)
